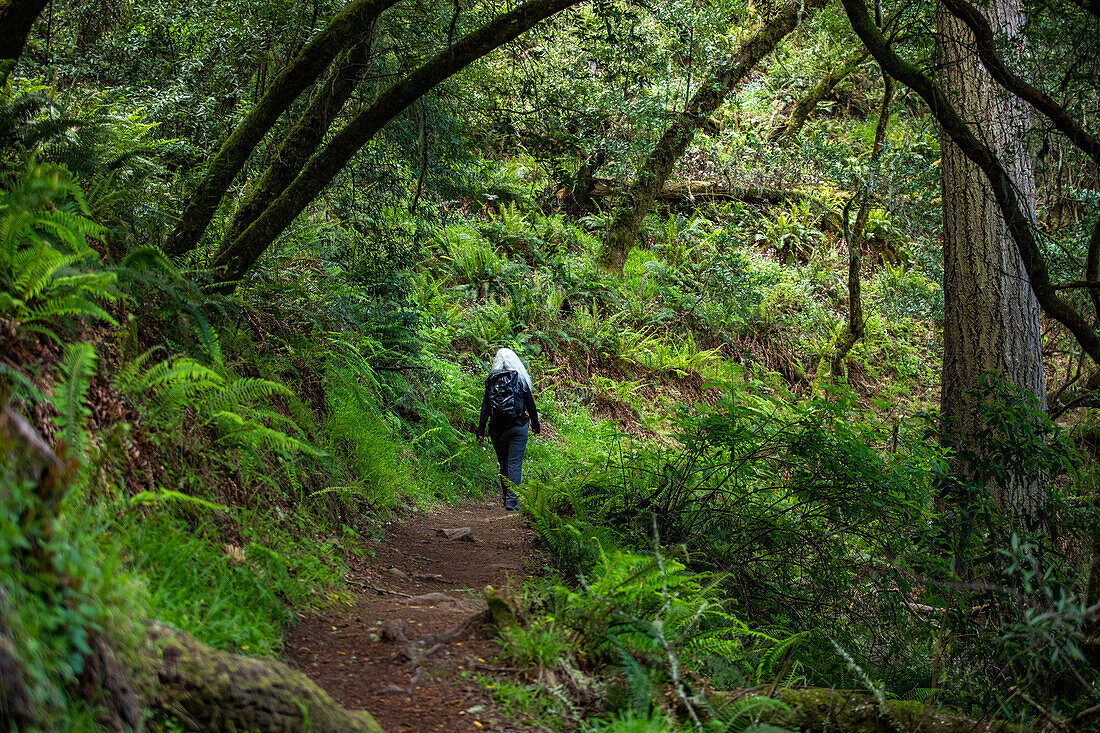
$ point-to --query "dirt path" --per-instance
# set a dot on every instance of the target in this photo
(418, 583)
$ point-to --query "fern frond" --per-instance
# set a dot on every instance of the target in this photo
(34, 267)
(245, 391)
(78, 364)
(251, 434)
(773, 655)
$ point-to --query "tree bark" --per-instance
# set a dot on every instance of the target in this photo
(808, 104)
(346, 28)
(16, 19)
(238, 256)
(657, 168)
(991, 317)
(303, 140)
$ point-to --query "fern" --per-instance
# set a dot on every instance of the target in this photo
(233, 407)
(78, 364)
(766, 668)
(43, 239)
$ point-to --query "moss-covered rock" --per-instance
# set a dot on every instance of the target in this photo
(208, 689)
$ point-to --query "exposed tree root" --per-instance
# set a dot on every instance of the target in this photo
(207, 689)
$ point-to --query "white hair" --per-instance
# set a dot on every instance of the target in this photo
(506, 360)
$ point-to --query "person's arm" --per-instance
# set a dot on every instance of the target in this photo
(529, 403)
(484, 413)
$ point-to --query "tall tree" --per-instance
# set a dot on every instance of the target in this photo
(991, 316)
(657, 167)
(1000, 171)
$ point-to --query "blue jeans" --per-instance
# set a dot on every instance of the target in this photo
(510, 446)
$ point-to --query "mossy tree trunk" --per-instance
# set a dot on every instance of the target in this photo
(302, 141)
(658, 165)
(819, 710)
(237, 257)
(207, 689)
(806, 106)
(347, 28)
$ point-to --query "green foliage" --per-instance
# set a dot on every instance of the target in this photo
(64, 583)
(235, 598)
(77, 367)
(233, 406)
(44, 227)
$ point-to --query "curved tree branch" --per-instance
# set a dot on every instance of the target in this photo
(236, 257)
(1037, 98)
(1003, 189)
(16, 19)
(300, 143)
(346, 28)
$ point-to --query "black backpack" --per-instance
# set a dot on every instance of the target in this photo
(505, 395)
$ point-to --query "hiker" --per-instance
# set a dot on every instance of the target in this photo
(508, 404)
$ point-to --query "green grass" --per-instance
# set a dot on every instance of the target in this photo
(235, 598)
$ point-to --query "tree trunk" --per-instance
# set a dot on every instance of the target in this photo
(657, 168)
(346, 28)
(307, 135)
(808, 104)
(238, 256)
(576, 194)
(814, 709)
(991, 316)
(16, 19)
(854, 329)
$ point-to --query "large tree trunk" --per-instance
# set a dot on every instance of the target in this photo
(657, 168)
(348, 27)
(991, 315)
(16, 20)
(238, 256)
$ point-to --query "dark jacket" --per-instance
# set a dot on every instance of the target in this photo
(498, 425)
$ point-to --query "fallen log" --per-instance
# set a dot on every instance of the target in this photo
(675, 191)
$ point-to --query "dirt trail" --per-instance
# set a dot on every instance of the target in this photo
(354, 655)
